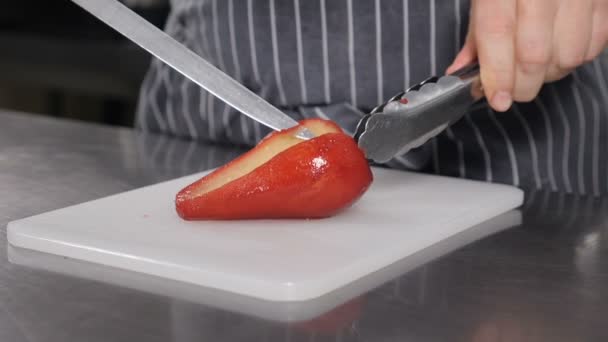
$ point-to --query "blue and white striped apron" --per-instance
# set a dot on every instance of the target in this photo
(337, 59)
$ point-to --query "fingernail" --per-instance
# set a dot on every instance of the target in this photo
(502, 101)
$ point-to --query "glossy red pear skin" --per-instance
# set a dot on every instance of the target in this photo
(312, 179)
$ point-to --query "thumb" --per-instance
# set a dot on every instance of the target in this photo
(467, 55)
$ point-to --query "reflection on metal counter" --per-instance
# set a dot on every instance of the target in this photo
(547, 278)
(270, 310)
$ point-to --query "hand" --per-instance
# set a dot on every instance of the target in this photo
(521, 44)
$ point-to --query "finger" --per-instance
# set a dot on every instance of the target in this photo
(464, 57)
(494, 37)
(468, 53)
(572, 32)
(555, 73)
(527, 83)
(599, 30)
(533, 44)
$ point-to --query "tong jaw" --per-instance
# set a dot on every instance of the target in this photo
(411, 118)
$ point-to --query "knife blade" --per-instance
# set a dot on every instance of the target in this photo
(189, 64)
(411, 118)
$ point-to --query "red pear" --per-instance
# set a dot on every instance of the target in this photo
(283, 177)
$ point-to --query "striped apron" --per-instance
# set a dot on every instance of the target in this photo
(338, 59)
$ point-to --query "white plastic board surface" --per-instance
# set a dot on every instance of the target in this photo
(278, 260)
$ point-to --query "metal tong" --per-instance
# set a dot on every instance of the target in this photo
(410, 118)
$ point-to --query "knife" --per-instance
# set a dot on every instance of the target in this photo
(413, 117)
(189, 64)
(406, 121)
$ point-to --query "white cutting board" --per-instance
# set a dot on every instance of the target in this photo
(278, 260)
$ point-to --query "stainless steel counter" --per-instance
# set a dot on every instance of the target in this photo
(545, 279)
